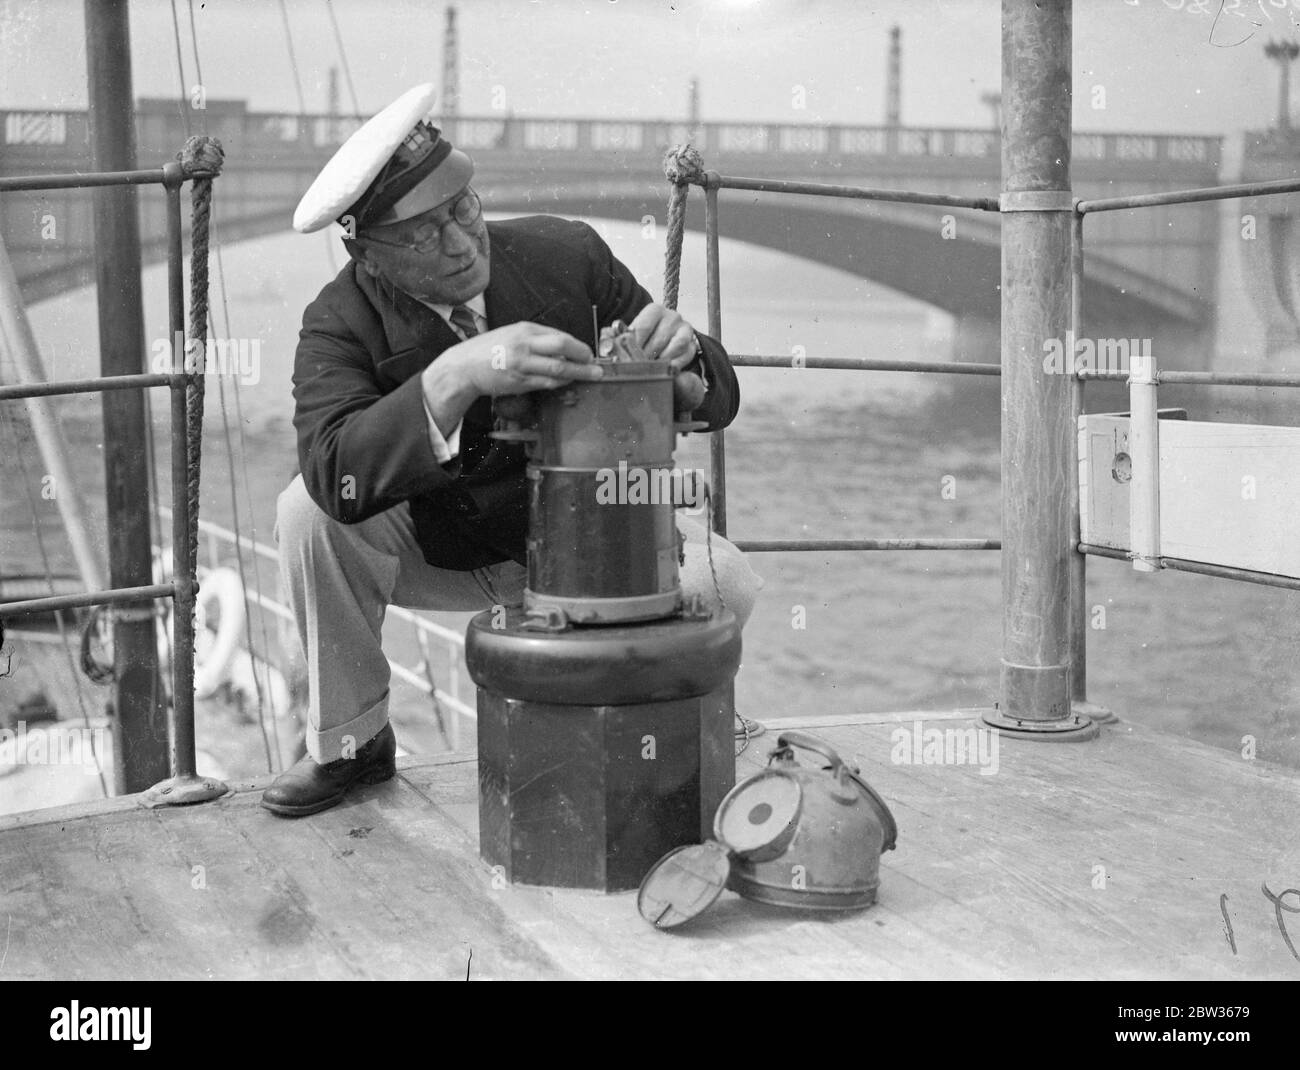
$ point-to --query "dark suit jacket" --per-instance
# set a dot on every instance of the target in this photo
(363, 439)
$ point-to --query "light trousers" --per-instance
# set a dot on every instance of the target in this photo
(341, 578)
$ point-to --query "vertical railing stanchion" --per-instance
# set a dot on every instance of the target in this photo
(183, 762)
(1079, 614)
(184, 785)
(1078, 560)
(1037, 206)
(1144, 449)
(717, 444)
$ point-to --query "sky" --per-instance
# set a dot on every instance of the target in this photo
(1172, 66)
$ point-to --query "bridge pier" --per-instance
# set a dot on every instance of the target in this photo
(1258, 302)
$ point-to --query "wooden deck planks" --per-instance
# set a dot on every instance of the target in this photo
(1164, 831)
(248, 898)
(993, 877)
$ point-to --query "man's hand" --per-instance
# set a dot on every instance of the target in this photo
(519, 358)
(664, 334)
(510, 360)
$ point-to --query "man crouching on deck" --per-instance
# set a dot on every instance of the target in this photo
(403, 498)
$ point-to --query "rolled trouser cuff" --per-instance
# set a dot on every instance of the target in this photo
(327, 744)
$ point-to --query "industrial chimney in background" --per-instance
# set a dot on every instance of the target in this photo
(893, 96)
(450, 68)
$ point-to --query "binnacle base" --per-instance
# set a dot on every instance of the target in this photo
(592, 796)
(600, 749)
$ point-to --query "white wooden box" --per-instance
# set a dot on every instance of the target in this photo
(1229, 493)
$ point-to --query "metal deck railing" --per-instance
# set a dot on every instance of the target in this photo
(1143, 384)
(182, 588)
(183, 585)
(215, 537)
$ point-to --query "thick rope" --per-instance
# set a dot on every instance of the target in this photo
(201, 162)
(683, 165)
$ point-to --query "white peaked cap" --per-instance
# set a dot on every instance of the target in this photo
(359, 160)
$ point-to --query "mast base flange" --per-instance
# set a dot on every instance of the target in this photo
(1073, 729)
(183, 791)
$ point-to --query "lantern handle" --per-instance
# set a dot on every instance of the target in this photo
(844, 790)
(845, 776)
(790, 738)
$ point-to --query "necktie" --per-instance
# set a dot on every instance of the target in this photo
(463, 320)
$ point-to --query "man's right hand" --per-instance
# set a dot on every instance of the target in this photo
(518, 359)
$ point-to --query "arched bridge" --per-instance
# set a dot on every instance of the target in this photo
(1148, 273)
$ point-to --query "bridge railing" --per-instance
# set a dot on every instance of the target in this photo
(161, 124)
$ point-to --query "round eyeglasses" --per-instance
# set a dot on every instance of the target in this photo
(428, 236)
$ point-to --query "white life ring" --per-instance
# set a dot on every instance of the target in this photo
(215, 648)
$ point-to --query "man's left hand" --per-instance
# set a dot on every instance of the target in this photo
(664, 334)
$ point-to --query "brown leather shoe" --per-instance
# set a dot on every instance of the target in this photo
(308, 787)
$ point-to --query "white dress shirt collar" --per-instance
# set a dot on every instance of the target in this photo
(476, 304)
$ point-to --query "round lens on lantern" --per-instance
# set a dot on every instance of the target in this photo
(758, 816)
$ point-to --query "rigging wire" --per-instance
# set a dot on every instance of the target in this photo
(234, 502)
(252, 523)
(230, 459)
(182, 103)
(293, 59)
(198, 68)
(343, 58)
(243, 582)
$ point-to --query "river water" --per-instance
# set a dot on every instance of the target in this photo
(827, 454)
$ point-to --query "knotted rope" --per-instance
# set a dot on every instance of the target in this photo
(201, 161)
(683, 165)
